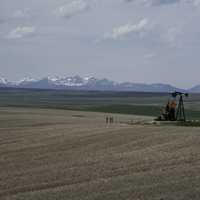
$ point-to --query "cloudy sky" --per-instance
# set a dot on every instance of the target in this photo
(147, 41)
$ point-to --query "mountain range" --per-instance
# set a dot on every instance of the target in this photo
(90, 83)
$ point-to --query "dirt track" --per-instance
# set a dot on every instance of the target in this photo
(54, 154)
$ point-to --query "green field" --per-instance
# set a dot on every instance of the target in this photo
(148, 104)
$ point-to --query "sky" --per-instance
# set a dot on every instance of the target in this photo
(142, 41)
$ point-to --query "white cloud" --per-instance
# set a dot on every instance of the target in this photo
(72, 8)
(124, 30)
(21, 32)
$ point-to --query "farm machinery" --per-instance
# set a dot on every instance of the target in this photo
(174, 109)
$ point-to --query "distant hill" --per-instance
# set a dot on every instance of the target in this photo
(3, 82)
(89, 83)
(195, 89)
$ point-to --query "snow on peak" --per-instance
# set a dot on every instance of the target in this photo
(53, 78)
(26, 80)
(70, 81)
(88, 79)
(3, 81)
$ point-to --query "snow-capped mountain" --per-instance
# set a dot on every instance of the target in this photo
(70, 81)
(25, 81)
(3, 81)
(85, 83)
